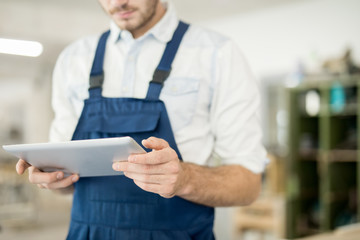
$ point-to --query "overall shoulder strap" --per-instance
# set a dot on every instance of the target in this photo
(97, 72)
(163, 70)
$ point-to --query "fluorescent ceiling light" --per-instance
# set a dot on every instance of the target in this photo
(20, 47)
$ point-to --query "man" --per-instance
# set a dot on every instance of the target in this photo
(207, 107)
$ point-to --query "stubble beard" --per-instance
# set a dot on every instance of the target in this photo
(144, 18)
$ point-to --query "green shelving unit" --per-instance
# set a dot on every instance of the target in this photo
(323, 165)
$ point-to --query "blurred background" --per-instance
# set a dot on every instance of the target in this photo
(306, 56)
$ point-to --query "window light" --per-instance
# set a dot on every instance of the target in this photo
(20, 47)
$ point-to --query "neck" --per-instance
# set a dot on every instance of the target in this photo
(159, 13)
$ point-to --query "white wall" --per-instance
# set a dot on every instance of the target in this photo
(275, 39)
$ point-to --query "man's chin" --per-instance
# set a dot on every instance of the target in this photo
(124, 25)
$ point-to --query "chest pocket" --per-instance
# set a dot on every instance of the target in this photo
(180, 96)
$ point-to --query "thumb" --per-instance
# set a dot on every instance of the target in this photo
(21, 166)
(155, 143)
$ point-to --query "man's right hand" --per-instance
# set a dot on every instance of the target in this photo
(49, 180)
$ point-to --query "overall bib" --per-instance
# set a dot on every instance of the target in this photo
(113, 207)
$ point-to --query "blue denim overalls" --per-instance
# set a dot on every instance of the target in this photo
(113, 207)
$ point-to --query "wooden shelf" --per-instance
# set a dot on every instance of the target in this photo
(343, 155)
(309, 194)
(339, 196)
(308, 231)
(264, 215)
(350, 110)
(326, 167)
(309, 154)
(305, 115)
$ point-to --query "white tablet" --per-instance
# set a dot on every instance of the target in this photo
(88, 158)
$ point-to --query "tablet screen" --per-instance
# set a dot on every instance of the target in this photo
(88, 158)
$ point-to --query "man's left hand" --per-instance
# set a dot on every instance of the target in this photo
(159, 171)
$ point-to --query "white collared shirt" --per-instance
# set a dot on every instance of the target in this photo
(211, 96)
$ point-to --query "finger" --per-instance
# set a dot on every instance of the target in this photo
(164, 191)
(154, 157)
(155, 143)
(149, 187)
(154, 179)
(138, 168)
(150, 169)
(38, 177)
(21, 166)
(66, 182)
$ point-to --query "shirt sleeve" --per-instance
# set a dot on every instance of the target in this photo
(65, 119)
(235, 111)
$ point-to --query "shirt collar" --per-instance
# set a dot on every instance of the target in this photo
(162, 31)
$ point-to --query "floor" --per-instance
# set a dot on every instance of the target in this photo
(49, 220)
(52, 215)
